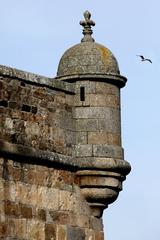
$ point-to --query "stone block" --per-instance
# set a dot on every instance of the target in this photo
(89, 234)
(65, 177)
(14, 174)
(69, 99)
(21, 228)
(82, 220)
(96, 224)
(50, 232)
(110, 125)
(100, 100)
(66, 121)
(86, 101)
(92, 112)
(81, 138)
(75, 233)
(3, 230)
(66, 201)
(99, 235)
(30, 176)
(39, 93)
(2, 190)
(70, 138)
(11, 225)
(60, 99)
(47, 197)
(32, 129)
(82, 150)
(11, 191)
(81, 207)
(8, 125)
(103, 137)
(79, 103)
(11, 209)
(2, 214)
(61, 232)
(25, 211)
(1, 161)
(109, 151)
(59, 217)
(36, 230)
(107, 88)
(87, 125)
(41, 214)
(27, 194)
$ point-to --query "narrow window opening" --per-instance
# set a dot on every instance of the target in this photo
(26, 108)
(82, 93)
(23, 84)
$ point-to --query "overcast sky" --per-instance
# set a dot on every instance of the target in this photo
(33, 36)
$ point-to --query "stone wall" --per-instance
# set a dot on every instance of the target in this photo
(39, 193)
(39, 202)
(36, 115)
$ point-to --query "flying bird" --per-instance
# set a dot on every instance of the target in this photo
(143, 59)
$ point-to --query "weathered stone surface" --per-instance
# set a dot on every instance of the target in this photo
(82, 150)
(66, 201)
(2, 193)
(11, 209)
(87, 125)
(61, 232)
(107, 151)
(50, 232)
(96, 224)
(99, 235)
(75, 233)
(81, 138)
(89, 234)
(37, 116)
(42, 212)
(104, 100)
(35, 79)
(47, 196)
(89, 113)
(78, 102)
(60, 160)
(36, 230)
(103, 137)
(95, 113)
(87, 57)
(107, 88)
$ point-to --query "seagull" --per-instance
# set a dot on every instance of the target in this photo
(143, 59)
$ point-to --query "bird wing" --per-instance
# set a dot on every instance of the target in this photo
(141, 57)
(149, 60)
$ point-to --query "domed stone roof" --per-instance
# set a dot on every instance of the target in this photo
(88, 58)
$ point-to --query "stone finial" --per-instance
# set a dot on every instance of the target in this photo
(87, 31)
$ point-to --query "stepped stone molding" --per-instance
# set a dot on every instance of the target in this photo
(100, 179)
(68, 162)
(100, 188)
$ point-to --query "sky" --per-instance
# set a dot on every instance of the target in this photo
(33, 37)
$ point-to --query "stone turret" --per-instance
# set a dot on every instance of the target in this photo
(94, 71)
(61, 158)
